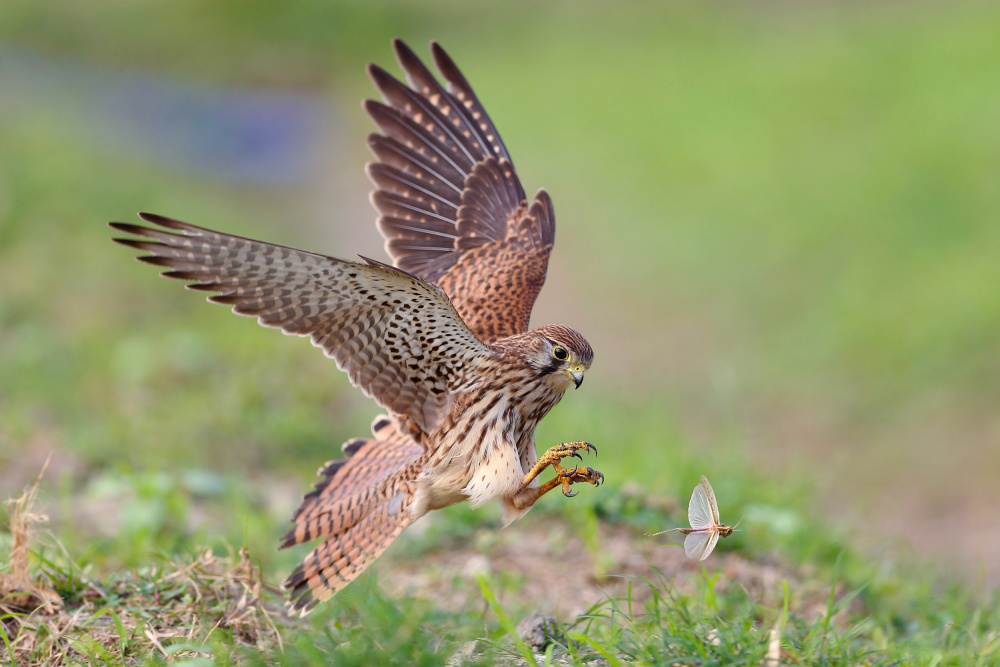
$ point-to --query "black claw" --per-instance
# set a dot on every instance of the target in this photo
(570, 473)
(591, 448)
(577, 455)
(569, 494)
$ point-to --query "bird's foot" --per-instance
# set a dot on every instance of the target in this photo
(554, 455)
(567, 477)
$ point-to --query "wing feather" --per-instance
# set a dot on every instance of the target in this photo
(414, 136)
(452, 209)
(452, 134)
(462, 91)
(397, 337)
(400, 182)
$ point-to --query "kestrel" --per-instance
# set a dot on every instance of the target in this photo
(440, 339)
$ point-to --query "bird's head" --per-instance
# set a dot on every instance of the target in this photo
(559, 355)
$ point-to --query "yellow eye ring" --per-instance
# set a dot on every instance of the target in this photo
(560, 353)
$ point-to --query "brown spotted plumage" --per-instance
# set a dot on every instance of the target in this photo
(440, 340)
(453, 210)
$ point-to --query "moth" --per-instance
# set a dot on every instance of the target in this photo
(706, 527)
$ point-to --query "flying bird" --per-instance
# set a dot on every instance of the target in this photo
(439, 338)
(706, 527)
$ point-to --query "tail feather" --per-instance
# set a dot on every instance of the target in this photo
(349, 489)
(360, 506)
(382, 429)
(338, 560)
(349, 449)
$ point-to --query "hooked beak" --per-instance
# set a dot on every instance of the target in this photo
(576, 374)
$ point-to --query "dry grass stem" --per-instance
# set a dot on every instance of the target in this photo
(18, 592)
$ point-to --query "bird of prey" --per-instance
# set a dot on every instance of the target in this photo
(439, 339)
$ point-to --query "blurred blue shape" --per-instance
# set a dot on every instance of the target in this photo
(242, 134)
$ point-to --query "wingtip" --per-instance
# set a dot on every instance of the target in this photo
(151, 217)
(437, 50)
(446, 64)
(402, 49)
(162, 220)
(121, 226)
(138, 244)
(377, 74)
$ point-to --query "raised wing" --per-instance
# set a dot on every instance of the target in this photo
(452, 209)
(713, 506)
(398, 338)
(700, 514)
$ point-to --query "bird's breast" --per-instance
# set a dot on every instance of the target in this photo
(481, 451)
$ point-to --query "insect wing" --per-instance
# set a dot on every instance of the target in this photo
(700, 513)
(713, 506)
(700, 544)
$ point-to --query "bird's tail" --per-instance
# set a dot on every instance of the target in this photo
(359, 507)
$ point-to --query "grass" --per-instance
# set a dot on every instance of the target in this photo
(185, 602)
(190, 607)
(776, 228)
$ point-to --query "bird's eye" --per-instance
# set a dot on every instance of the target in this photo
(560, 353)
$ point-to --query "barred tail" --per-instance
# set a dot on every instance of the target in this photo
(360, 507)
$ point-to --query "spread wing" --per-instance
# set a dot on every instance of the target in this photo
(452, 209)
(398, 338)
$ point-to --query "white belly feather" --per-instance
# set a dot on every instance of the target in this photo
(490, 462)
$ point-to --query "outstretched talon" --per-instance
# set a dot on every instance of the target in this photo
(588, 474)
(565, 477)
(554, 455)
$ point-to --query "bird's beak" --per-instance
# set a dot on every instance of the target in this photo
(576, 374)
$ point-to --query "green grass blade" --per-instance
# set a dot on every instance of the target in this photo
(508, 627)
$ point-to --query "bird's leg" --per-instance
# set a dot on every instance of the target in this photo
(565, 477)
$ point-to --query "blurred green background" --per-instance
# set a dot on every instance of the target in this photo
(777, 227)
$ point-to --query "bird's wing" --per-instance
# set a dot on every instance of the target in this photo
(452, 209)
(398, 338)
